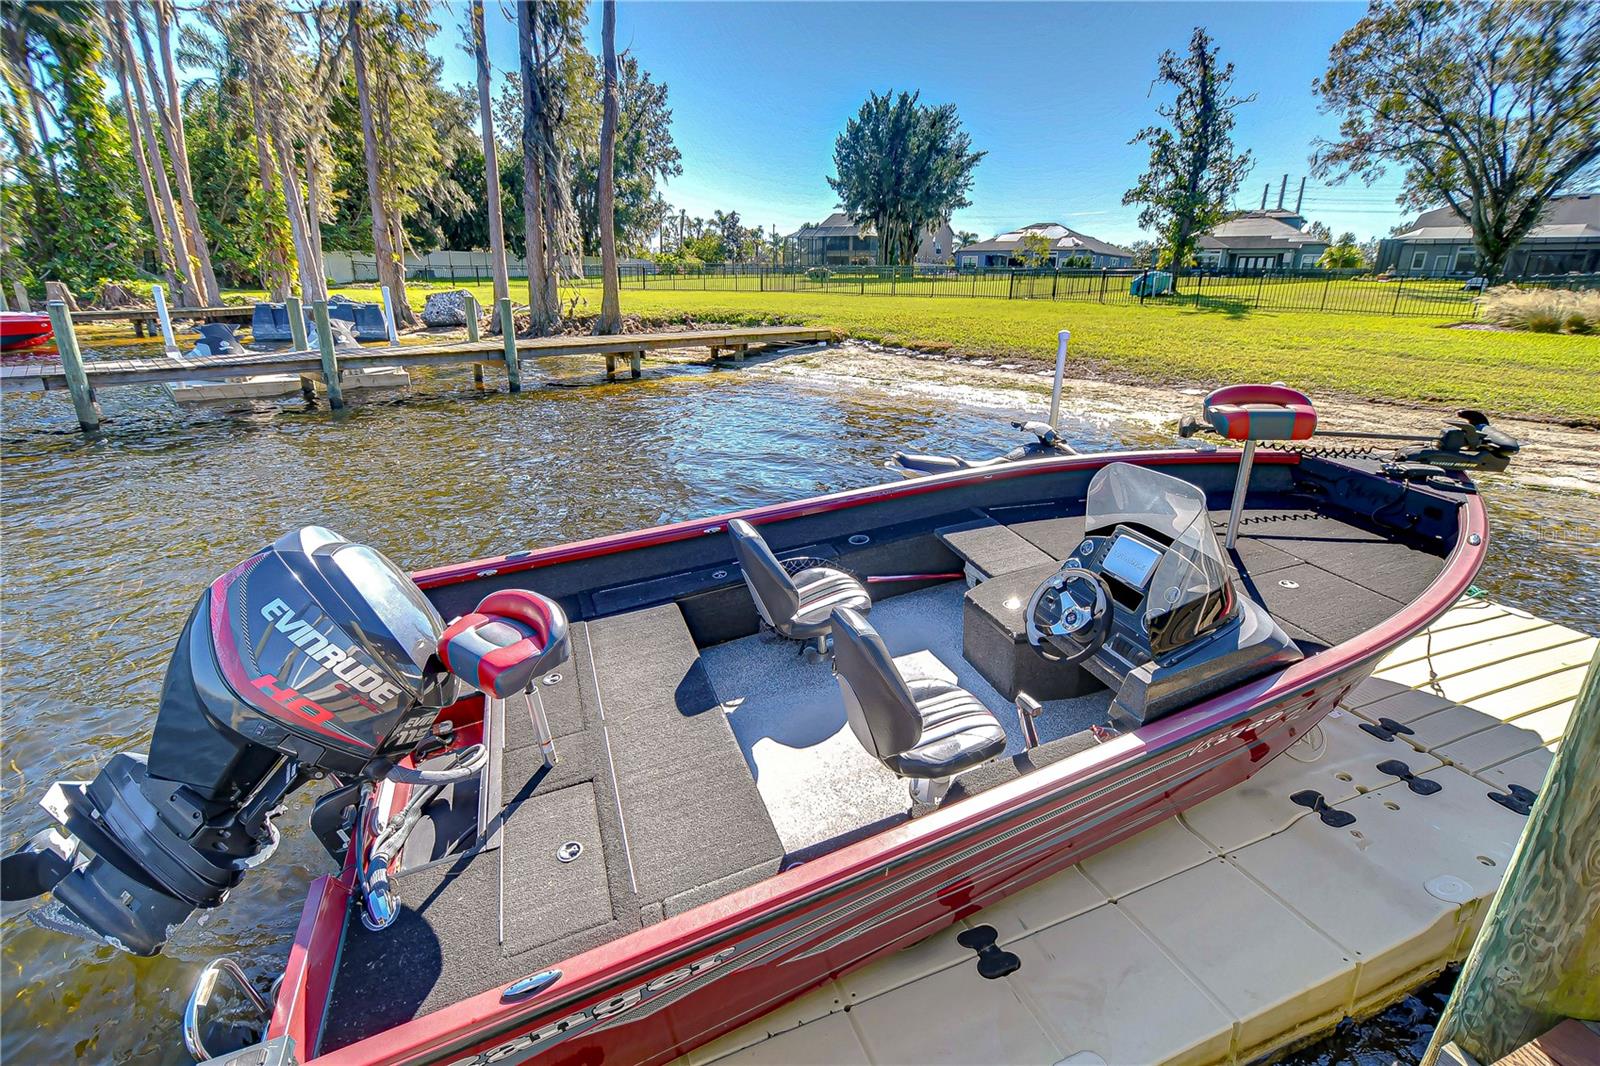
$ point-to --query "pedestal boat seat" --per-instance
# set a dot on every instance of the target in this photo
(926, 730)
(1252, 413)
(796, 606)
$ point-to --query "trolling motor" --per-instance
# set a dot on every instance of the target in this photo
(314, 658)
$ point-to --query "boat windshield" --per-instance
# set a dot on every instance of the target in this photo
(1188, 589)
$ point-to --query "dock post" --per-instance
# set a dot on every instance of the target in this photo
(469, 307)
(388, 318)
(5, 305)
(83, 401)
(611, 364)
(21, 290)
(1533, 963)
(168, 341)
(330, 361)
(297, 323)
(636, 363)
(508, 330)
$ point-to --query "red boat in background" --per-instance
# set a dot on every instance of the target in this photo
(23, 329)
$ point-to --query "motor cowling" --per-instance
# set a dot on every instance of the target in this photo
(314, 657)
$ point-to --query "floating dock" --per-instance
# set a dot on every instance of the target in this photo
(1252, 922)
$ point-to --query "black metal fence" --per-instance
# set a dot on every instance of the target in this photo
(1315, 291)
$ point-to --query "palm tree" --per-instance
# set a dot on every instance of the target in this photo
(966, 237)
(223, 53)
(491, 159)
(610, 320)
(168, 104)
(153, 167)
(138, 121)
(391, 271)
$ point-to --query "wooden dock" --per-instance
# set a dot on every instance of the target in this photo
(1245, 925)
(144, 319)
(106, 373)
(83, 379)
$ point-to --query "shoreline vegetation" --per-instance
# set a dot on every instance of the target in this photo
(1431, 363)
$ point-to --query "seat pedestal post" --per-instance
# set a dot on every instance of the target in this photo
(1240, 487)
(535, 706)
(929, 790)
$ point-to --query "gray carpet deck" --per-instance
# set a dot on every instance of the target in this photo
(818, 782)
(649, 780)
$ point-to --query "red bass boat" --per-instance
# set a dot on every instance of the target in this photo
(23, 329)
(620, 804)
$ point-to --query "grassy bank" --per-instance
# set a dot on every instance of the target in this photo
(1366, 356)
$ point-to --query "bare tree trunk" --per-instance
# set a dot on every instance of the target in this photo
(178, 150)
(277, 280)
(187, 290)
(136, 137)
(313, 283)
(610, 300)
(314, 194)
(532, 208)
(190, 239)
(491, 160)
(390, 271)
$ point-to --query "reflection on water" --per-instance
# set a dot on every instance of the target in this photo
(109, 541)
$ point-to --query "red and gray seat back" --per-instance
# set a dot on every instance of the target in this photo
(1260, 412)
(509, 639)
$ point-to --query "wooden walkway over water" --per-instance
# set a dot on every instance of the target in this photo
(1246, 924)
(105, 373)
(145, 319)
(83, 379)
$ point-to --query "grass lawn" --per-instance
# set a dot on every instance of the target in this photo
(1367, 356)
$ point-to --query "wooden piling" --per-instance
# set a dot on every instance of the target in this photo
(636, 363)
(470, 307)
(83, 401)
(330, 361)
(1537, 957)
(297, 323)
(611, 365)
(508, 330)
(23, 304)
(5, 305)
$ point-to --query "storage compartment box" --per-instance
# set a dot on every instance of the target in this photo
(994, 639)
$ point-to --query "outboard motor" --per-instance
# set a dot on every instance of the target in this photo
(313, 657)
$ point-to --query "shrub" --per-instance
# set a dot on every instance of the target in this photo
(1543, 310)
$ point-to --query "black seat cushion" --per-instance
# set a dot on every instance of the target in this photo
(822, 589)
(958, 732)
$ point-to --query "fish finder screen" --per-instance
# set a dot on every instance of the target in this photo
(1131, 561)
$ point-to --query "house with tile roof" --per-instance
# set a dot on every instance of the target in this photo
(1066, 244)
(1272, 239)
(1565, 240)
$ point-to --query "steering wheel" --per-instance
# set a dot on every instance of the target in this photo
(1069, 615)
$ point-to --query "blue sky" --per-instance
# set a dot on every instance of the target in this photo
(1053, 92)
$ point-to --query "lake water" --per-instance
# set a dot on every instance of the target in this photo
(108, 542)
